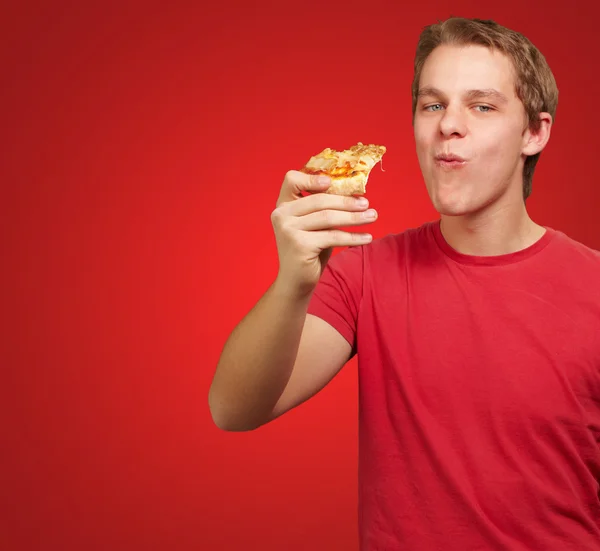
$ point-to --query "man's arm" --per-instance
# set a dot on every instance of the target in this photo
(276, 358)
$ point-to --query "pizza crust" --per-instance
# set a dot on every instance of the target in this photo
(348, 169)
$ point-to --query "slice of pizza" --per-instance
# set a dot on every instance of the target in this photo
(349, 169)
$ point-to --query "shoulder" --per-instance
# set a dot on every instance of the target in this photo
(414, 246)
(575, 250)
(405, 238)
(395, 246)
(382, 251)
(574, 263)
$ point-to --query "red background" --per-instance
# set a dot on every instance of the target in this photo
(143, 151)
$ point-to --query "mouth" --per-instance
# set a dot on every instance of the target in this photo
(450, 161)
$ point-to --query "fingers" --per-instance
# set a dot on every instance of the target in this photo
(321, 211)
(322, 201)
(338, 238)
(312, 221)
(295, 182)
(326, 219)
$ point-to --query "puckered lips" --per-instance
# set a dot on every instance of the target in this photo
(450, 161)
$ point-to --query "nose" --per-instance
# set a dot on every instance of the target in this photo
(453, 123)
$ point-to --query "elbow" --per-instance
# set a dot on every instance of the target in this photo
(225, 420)
(217, 413)
(230, 425)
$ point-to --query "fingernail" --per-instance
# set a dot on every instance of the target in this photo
(323, 180)
(362, 202)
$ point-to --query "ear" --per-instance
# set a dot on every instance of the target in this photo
(535, 141)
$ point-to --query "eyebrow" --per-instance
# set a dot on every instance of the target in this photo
(468, 95)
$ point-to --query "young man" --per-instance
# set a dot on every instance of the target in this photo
(478, 335)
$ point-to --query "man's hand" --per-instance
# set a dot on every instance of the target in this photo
(305, 229)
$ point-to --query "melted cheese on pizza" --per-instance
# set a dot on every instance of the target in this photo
(359, 159)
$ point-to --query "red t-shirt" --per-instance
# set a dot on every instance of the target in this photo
(479, 392)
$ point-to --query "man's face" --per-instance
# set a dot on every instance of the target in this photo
(468, 108)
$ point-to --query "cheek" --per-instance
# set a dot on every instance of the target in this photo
(501, 142)
(499, 155)
(422, 141)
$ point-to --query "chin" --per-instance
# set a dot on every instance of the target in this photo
(457, 198)
(450, 203)
(460, 206)
(453, 210)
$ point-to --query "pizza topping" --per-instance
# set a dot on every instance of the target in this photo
(349, 169)
(342, 164)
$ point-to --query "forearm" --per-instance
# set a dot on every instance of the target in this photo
(257, 360)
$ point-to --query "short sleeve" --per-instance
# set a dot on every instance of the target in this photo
(336, 298)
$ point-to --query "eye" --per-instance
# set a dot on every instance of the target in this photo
(486, 108)
(429, 107)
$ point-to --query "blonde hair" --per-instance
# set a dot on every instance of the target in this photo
(535, 85)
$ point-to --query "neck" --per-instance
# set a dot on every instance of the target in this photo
(498, 231)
